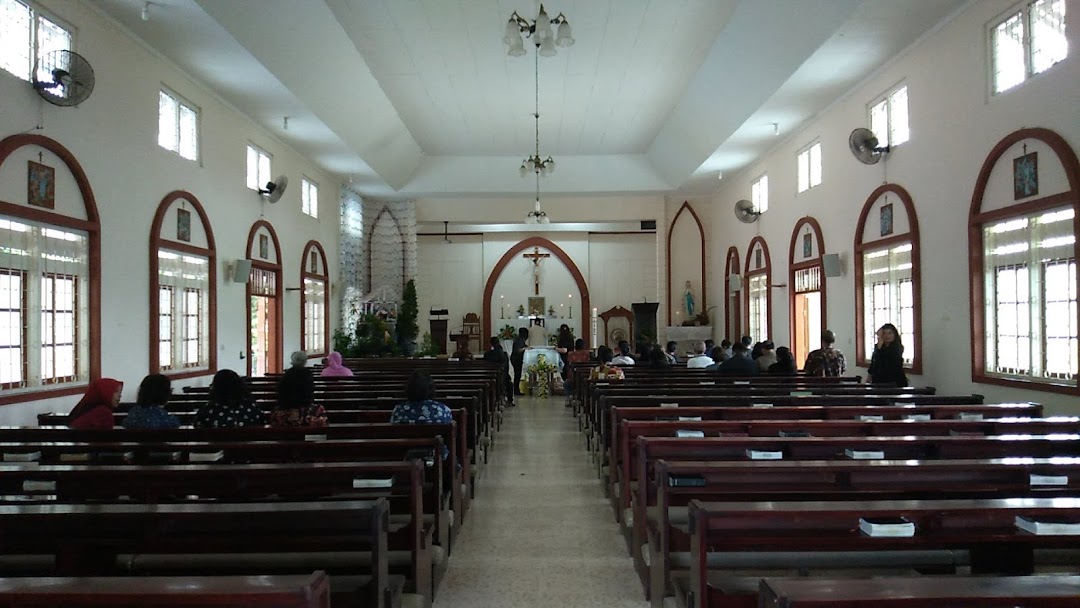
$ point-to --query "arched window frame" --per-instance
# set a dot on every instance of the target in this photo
(92, 227)
(701, 232)
(159, 243)
(731, 267)
(977, 219)
(275, 268)
(862, 357)
(815, 261)
(401, 243)
(748, 276)
(314, 248)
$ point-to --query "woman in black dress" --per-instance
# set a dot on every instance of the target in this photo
(887, 364)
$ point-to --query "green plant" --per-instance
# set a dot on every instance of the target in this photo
(343, 343)
(428, 347)
(372, 337)
(407, 329)
(508, 332)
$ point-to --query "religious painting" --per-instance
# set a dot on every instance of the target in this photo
(807, 245)
(536, 306)
(886, 220)
(314, 263)
(264, 247)
(41, 185)
(1025, 175)
(757, 258)
(183, 225)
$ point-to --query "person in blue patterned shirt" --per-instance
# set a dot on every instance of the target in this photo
(149, 409)
(420, 406)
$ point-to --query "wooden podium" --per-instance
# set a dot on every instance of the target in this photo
(644, 323)
(438, 327)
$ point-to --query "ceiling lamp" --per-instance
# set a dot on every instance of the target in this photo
(518, 28)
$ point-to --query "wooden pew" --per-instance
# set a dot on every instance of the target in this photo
(829, 480)
(312, 591)
(984, 528)
(88, 540)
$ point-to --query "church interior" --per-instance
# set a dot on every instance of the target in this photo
(193, 186)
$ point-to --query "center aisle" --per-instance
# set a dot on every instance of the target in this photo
(540, 534)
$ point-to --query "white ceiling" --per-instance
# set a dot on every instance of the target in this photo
(417, 98)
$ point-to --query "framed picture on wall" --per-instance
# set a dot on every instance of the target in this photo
(183, 225)
(886, 220)
(1025, 175)
(314, 263)
(264, 247)
(807, 245)
(757, 258)
(41, 185)
(536, 306)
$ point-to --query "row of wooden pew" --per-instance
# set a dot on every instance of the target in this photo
(751, 491)
(364, 512)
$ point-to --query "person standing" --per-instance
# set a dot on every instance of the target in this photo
(517, 357)
(825, 361)
(887, 363)
(496, 354)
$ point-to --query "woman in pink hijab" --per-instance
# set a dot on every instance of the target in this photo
(334, 368)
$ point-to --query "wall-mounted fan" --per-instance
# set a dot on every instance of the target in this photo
(864, 146)
(63, 78)
(275, 189)
(745, 211)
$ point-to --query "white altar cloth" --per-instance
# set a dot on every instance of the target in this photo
(549, 353)
(686, 336)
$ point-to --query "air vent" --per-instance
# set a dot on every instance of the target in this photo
(648, 224)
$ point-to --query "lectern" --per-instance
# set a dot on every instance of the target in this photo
(644, 323)
(437, 318)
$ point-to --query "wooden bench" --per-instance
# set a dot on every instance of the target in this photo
(311, 591)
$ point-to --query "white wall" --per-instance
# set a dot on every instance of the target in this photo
(954, 125)
(114, 135)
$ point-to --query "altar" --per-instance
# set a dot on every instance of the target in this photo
(551, 324)
(687, 335)
(551, 356)
(541, 383)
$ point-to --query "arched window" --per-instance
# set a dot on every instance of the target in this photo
(806, 281)
(314, 301)
(758, 287)
(183, 289)
(386, 258)
(887, 274)
(50, 274)
(1022, 231)
(264, 304)
(732, 310)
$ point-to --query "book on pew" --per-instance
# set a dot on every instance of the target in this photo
(22, 456)
(1047, 525)
(686, 481)
(372, 483)
(38, 486)
(709, 383)
(74, 457)
(887, 527)
(314, 437)
(794, 434)
(669, 405)
(206, 456)
(918, 417)
(689, 418)
(801, 393)
(761, 405)
(740, 382)
(689, 433)
(764, 454)
(1048, 480)
(864, 454)
(871, 418)
(970, 416)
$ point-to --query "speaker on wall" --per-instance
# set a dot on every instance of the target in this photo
(241, 271)
(832, 264)
(734, 282)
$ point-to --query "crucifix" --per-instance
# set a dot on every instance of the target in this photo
(536, 256)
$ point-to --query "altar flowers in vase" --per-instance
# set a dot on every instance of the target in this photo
(540, 377)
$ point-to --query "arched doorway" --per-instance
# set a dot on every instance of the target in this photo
(264, 305)
(806, 286)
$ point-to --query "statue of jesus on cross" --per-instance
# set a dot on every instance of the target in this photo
(536, 257)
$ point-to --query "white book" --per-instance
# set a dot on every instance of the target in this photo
(864, 454)
(372, 483)
(1049, 480)
(706, 383)
(38, 486)
(761, 405)
(887, 527)
(205, 456)
(765, 454)
(689, 418)
(970, 416)
(904, 403)
(669, 405)
(314, 437)
(871, 418)
(25, 498)
(452, 359)
(918, 417)
(74, 458)
(689, 433)
(801, 394)
(741, 382)
(1046, 527)
(22, 456)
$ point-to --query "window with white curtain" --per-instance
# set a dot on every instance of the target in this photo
(178, 125)
(759, 194)
(258, 167)
(1030, 281)
(27, 34)
(809, 166)
(309, 197)
(45, 270)
(314, 315)
(1027, 40)
(183, 316)
(888, 296)
(889, 117)
(758, 292)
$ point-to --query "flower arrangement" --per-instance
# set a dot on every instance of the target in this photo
(507, 332)
(540, 374)
(521, 310)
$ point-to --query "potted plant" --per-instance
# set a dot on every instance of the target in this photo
(407, 329)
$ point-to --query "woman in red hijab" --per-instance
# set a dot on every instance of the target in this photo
(95, 409)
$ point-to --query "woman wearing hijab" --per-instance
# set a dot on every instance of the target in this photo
(95, 409)
(334, 368)
(229, 405)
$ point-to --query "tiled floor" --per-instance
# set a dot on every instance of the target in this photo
(540, 533)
